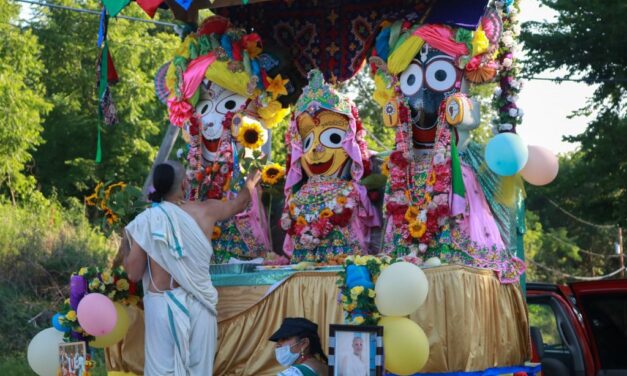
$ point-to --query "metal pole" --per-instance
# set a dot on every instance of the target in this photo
(621, 254)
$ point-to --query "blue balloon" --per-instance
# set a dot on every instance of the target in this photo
(57, 324)
(506, 154)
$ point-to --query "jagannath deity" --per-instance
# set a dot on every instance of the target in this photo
(222, 97)
(327, 211)
(434, 204)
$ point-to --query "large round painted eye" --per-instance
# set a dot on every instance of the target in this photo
(332, 138)
(204, 107)
(411, 79)
(230, 104)
(307, 142)
(441, 75)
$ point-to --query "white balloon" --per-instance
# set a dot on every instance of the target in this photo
(401, 289)
(433, 261)
(43, 352)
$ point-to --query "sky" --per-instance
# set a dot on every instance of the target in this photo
(547, 104)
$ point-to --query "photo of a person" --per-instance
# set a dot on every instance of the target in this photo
(72, 358)
(355, 359)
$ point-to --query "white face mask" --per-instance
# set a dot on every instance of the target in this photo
(285, 356)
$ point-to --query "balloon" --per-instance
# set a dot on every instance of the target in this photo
(401, 289)
(431, 262)
(57, 324)
(43, 352)
(506, 154)
(405, 345)
(78, 289)
(541, 167)
(96, 314)
(118, 332)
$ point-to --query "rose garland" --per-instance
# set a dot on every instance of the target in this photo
(506, 94)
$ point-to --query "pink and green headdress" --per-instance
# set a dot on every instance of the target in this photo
(316, 96)
(226, 56)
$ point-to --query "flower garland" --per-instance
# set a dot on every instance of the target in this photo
(506, 94)
(358, 297)
(113, 283)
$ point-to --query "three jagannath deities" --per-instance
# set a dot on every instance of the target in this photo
(327, 211)
(222, 97)
(434, 205)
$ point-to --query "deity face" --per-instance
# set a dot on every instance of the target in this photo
(322, 136)
(431, 77)
(215, 102)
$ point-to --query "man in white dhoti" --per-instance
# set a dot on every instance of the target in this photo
(170, 250)
(355, 363)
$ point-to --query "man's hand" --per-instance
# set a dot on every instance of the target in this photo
(252, 180)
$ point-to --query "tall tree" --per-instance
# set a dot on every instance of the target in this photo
(21, 100)
(586, 41)
(66, 162)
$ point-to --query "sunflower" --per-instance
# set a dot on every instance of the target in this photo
(417, 229)
(251, 135)
(326, 213)
(272, 173)
(385, 169)
(216, 233)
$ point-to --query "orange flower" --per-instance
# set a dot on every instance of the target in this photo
(417, 229)
(431, 180)
(411, 214)
(292, 207)
(326, 213)
(301, 221)
(341, 200)
(215, 234)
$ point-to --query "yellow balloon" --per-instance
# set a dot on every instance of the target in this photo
(405, 345)
(118, 332)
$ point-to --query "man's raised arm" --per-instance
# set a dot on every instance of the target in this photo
(222, 210)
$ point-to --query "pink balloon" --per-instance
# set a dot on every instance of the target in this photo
(96, 314)
(542, 166)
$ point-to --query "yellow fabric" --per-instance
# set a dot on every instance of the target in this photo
(472, 321)
(237, 82)
(480, 42)
(401, 57)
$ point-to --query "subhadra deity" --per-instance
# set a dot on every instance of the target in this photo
(216, 86)
(327, 211)
(434, 204)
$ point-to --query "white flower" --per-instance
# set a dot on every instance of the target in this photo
(516, 29)
(516, 84)
(520, 112)
(507, 62)
(498, 91)
(179, 153)
(513, 112)
(513, 11)
(513, 17)
(422, 247)
(422, 216)
(508, 40)
(506, 127)
(512, 98)
(438, 158)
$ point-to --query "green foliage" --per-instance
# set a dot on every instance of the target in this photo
(65, 164)
(542, 316)
(21, 101)
(39, 246)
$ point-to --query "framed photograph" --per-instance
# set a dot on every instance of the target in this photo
(355, 350)
(72, 357)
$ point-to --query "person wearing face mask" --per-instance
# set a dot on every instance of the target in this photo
(298, 347)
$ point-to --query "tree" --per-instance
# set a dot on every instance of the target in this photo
(21, 100)
(66, 162)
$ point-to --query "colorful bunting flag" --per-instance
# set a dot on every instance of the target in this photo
(114, 6)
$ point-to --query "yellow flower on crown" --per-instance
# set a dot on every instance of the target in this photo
(251, 134)
(122, 284)
(276, 86)
(272, 173)
(71, 315)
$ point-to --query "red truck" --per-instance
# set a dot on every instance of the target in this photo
(580, 329)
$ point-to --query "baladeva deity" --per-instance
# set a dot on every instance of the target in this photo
(434, 204)
(222, 97)
(327, 211)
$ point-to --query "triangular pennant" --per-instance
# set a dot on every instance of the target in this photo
(102, 30)
(115, 6)
(150, 6)
(112, 74)
(185, 3)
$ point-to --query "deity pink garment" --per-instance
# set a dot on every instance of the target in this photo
(253, 222)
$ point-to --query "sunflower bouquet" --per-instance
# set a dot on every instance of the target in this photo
(117, 203)
(251, 136)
